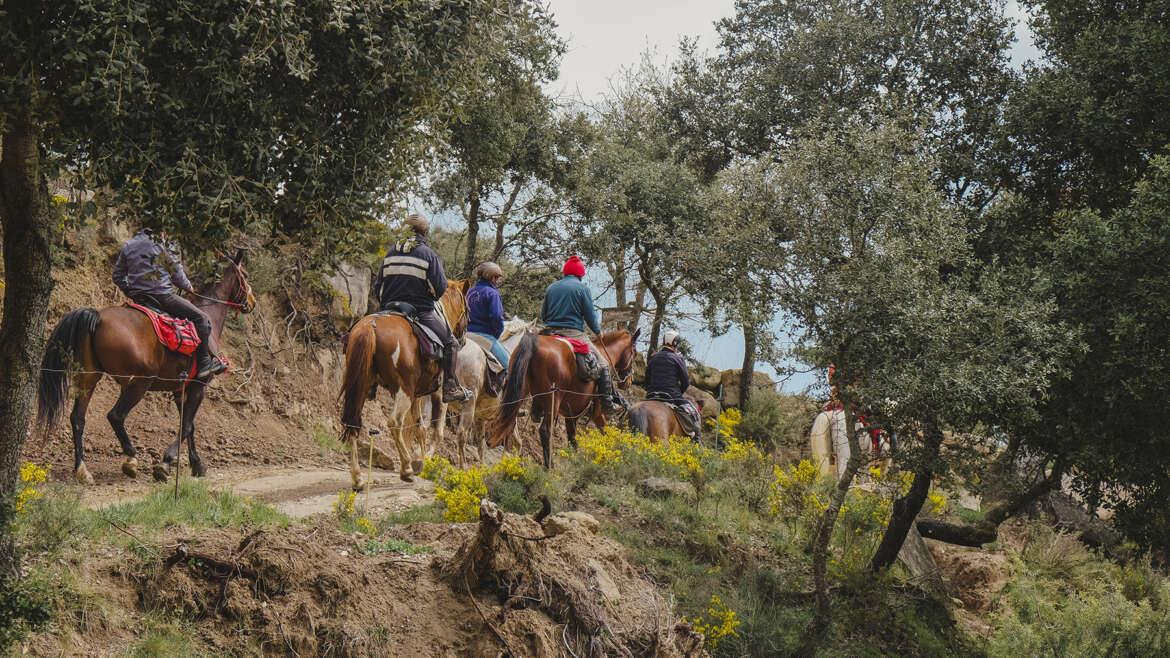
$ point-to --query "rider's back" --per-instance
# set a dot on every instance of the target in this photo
(412, 273)
(569, 304)
(145, 266)
(666, 373)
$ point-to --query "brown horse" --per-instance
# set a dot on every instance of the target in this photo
(656, 420)
(545, 368)
(120, 342)
(382, 350)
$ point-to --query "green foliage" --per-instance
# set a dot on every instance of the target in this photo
(776, 421)
(323, 437)
(431, 512)
(24, 606)
(197, 506)
(1063, 600)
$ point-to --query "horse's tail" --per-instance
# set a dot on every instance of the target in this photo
(509, 407)
(639, 419)
(63, 352)
(355, 385)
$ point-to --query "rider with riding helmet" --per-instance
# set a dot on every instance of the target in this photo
(148, 272)
(413, 273)
(567, 308)
(667, 378)
(485, 310)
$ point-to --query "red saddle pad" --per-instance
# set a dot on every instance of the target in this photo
(579, 346)
(174, 333)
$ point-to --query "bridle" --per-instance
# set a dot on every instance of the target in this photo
(612, 365)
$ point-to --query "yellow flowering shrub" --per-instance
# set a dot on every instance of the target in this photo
(938, 501)
(462, 490)
(718, 623)
(31, 475)
(343, 506)
(365, 526)
(615, 446)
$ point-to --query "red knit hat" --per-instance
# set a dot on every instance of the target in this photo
(574, 266)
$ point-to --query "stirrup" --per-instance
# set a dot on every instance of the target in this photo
(456, 394)
(214, 366)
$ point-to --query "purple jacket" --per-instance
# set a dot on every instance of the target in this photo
(485, 311)
(147, 266)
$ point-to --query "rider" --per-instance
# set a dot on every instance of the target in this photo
(568, 307)
(413, 273)
(667, 377)
(485, 311)
(148, 271)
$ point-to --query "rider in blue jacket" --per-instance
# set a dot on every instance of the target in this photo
(567, 308)
(485, 310)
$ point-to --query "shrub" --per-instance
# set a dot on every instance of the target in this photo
(775, 421)
(511, 483)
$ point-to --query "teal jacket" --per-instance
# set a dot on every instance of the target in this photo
(569, 304)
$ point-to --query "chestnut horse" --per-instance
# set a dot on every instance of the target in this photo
(382, 350)
(656, 419)
(545, 368)
(120, 342)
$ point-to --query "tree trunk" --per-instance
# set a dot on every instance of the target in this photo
(618, 270)
(747, 374)
(27, 264)
(907, 507)
(469, 261)
(820, 544)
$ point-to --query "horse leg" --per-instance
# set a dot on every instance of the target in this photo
(399, 416)
(195, 394)
(571, 431)
(131, 395)
(85, 385)
(546, 427)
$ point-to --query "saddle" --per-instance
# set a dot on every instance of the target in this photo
(176, 334)
(588, 369)
(430, 346)
(496, 373)
(687, 413)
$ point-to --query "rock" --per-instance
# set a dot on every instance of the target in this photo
(634, 393)
(705, 377)
(710, 404)
(730, 381)
(609, 589)
(638, 373)
(655, 487)
(351, 287)
(562, 522)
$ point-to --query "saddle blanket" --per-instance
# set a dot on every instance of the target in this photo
(484, 344)
(578, 346)
(175, 334)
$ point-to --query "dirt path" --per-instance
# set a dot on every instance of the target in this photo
(298, 492)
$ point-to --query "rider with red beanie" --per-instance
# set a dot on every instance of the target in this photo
(567, 309)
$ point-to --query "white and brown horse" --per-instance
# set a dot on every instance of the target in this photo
(381, 350)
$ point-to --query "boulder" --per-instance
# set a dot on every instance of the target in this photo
(705, 377)
(351, 288)
(563, 522)
(638, 373)
(710, 404)
(655, 487)
(730, 381)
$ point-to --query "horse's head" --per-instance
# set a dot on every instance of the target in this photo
(625, 349)
(233, 287)
(454, 302)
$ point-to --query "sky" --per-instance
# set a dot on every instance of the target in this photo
(606, 36)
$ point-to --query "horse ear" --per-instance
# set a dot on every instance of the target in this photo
(637, 332)
(240, 254)
(465, 285)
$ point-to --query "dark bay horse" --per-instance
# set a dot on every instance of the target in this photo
(120, 342)
(381, 350)
(545, 368)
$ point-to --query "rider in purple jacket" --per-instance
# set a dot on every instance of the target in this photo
(485, 310)
(148, 272)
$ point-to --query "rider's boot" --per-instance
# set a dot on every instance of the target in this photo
(452, 391)
(611, 401)
(208, 365)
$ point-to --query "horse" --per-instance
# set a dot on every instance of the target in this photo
(382, 350)
(479, 409)
(656, 419)
(120, 342)
(546, 368)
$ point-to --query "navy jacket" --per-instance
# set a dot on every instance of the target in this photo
(485, 311)
(666, 372)
(147, 266)
(412, 273)
(569, 304)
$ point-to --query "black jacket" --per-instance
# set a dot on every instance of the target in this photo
(666, 373)
(412, 273)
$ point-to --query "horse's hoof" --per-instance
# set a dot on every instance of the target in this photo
(130, 467)
(406, 477)
(359, 486)
(82, 475)
(198, 470)
(416, 466)
(161, 472)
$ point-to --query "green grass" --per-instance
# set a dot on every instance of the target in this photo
(375, 547)
(431, 512)
(167, 636)
(969, 515)
(197, 506)
(326, 439)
